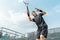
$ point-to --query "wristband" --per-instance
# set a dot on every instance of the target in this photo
(28, 15)
(41, 11)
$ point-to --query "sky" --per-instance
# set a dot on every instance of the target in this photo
(13, 14)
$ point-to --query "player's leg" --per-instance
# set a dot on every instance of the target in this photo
(42, 37)
(44, 33)
(38, 35)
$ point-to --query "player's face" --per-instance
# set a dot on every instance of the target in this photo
(33, 13)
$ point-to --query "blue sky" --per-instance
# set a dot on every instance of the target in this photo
(13, 14)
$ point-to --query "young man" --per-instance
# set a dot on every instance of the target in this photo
(42, 30)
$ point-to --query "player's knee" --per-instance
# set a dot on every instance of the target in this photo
(41, 36)
(37, 39)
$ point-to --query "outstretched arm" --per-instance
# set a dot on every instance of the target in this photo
(38, 10)
(30, 19)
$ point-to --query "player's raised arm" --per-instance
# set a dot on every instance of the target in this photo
(28, 13)
(38, 10)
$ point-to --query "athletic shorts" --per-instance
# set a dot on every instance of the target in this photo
(42, 31)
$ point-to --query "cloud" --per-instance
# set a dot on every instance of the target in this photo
(17, 16)
(20, 0)
(2, 16)
(57, 8)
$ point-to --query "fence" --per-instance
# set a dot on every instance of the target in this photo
(8, 34)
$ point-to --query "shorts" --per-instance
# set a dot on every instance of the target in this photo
(42, 31)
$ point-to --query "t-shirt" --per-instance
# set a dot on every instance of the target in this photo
(39, 20)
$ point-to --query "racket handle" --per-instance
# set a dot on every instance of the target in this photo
(28, 12)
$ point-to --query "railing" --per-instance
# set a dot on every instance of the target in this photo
(8, 34)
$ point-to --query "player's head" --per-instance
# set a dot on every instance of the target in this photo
(33, 13)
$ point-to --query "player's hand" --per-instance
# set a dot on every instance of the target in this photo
(38, 10)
